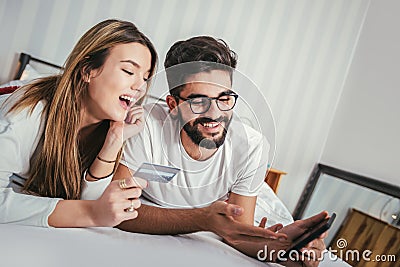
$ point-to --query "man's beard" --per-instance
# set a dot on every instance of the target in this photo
(196, 135)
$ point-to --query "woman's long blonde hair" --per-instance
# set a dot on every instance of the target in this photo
(60, 158)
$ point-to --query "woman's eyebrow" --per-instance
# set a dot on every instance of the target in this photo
(132, 62)
(135, 64)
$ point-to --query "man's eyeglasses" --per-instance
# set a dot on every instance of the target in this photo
(202, 104)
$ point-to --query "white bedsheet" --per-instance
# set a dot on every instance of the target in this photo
(34, 247)
(51, 247)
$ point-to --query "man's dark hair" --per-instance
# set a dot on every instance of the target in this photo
(205, 51)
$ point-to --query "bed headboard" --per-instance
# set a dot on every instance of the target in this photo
(38, 64)
(35, 68)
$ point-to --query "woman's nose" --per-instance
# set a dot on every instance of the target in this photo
(139, 84)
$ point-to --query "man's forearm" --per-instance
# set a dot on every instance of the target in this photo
(217, 218)
(162, 221)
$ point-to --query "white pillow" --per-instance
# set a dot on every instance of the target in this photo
(30, 73)
(270, 206)
(14, 83)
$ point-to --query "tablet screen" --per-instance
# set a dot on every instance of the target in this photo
(312, 233)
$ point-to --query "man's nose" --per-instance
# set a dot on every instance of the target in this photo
(213, 111)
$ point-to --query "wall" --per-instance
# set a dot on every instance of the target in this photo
(365, 132)
(297, 52)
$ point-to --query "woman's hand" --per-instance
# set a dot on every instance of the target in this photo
(118, 202)
(134, 122)
(120, 131)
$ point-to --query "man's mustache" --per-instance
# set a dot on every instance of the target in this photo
(203, 120)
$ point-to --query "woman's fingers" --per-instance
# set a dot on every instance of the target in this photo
(134, 112)
(136, 108)
(132, 118)
(131, 187)
(130, 215)
(119, 202)
(142, 183)
(131, 204)
(135, 192)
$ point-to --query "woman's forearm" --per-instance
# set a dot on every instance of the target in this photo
(72, 213)
(104, 164)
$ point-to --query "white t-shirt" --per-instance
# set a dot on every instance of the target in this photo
(238, 166)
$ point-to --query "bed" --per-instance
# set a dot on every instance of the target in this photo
(42, 247)
(34, 246)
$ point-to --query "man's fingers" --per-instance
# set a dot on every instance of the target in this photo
(310, 222)
(316, 244)
(263, 222)
(275, 227)
(250, 230)
(324, 235)
(311, 257)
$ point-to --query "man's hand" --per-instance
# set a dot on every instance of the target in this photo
(313, 253)
(314, 250)
(299, 227)
(219, 219)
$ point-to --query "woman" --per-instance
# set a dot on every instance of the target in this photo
(61, 129)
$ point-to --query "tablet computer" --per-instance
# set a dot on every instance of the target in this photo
(312, 233)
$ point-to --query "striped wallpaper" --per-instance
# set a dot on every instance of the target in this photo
(297, 52)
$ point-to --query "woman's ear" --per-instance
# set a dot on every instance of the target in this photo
(85, 74)
(173, 105)
(88, 73)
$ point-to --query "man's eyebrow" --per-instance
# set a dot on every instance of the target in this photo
(133, 63)
(196, 95)
(227, 92)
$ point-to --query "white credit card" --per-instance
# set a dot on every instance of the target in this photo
(156, 173)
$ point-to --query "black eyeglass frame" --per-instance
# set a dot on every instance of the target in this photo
(190, 100)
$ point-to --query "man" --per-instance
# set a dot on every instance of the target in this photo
(223, 162)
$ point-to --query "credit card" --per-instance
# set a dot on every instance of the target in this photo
(156, 173)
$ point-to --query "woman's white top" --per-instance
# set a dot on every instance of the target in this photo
(20, 133)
